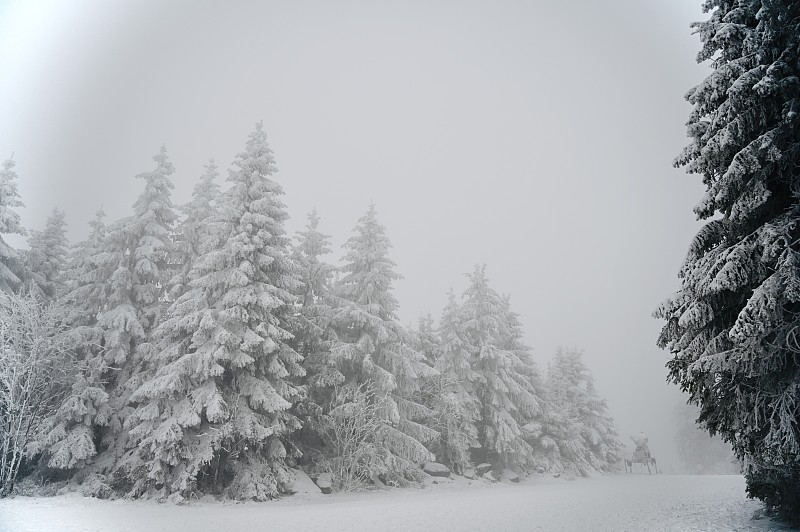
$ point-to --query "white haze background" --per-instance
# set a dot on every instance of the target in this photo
(534, 136)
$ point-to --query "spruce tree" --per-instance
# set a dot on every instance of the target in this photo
(505, 391)
(315, 336)
(68, 440)
(731, 327)
(214, 417)
(591, 436)
(454, 394)
(11, 264)
(47, 255)
(373, 348)
(135, 252)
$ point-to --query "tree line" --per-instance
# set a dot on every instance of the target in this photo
(201, 350)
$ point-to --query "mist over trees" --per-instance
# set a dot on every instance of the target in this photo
(732, 326)
(201, 349)
(699, 452)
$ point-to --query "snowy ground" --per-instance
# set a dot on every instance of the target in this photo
(615, 503)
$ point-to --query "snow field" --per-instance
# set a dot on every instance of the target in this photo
(611, 503)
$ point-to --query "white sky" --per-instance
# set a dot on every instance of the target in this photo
(534, 136)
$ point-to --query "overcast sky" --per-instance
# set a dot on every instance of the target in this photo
(534, 136)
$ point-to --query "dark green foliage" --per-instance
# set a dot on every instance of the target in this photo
(732, 326)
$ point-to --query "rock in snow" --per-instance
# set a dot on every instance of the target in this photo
(510, 475)
(325, 483)
(469, 473)
(436, 469)
(303, 483)
(481, 469)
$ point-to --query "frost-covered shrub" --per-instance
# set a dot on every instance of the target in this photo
(353, 431)
(96, 486)
(36, 370)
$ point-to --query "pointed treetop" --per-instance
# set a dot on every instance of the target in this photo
(256, 158)
(9, 198)
(369, 271)
(155, 197)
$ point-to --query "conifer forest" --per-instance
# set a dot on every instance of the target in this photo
(203, 354)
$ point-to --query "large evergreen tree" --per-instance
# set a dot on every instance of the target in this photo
(47, 255)
(11, 264)
(454, 391)
(315, 336)
(505, 391)
(68, 439)
(135, 252)
(373, 348)
(215, 415)
(732, 325)
(593, 439)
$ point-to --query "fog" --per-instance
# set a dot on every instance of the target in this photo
(536, 137)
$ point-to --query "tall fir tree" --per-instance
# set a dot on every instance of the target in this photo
(47, 255)
(374, 348)
(215, 416)
(454, 395)
(593, 439)
(731, 327)
(315, 337)
(505, 391)
(68, 440)
(135, 252)
(11, 264)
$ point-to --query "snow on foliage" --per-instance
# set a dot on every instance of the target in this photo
(731, 326)
(503, 368)
(214, 414)
(47, 256)
(11, 264)
(593, 440)
(210, 354)
(374, 348)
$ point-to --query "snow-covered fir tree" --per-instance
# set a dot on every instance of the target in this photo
(315, 337)
(374, 348)
(542, 431)
(505, 391)
(47, 255)
(453, 393)
(731, 327)
(135, 252)
(194, 228)
(11, 264)
(591, 436)
(214, 417)
(68, 440)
